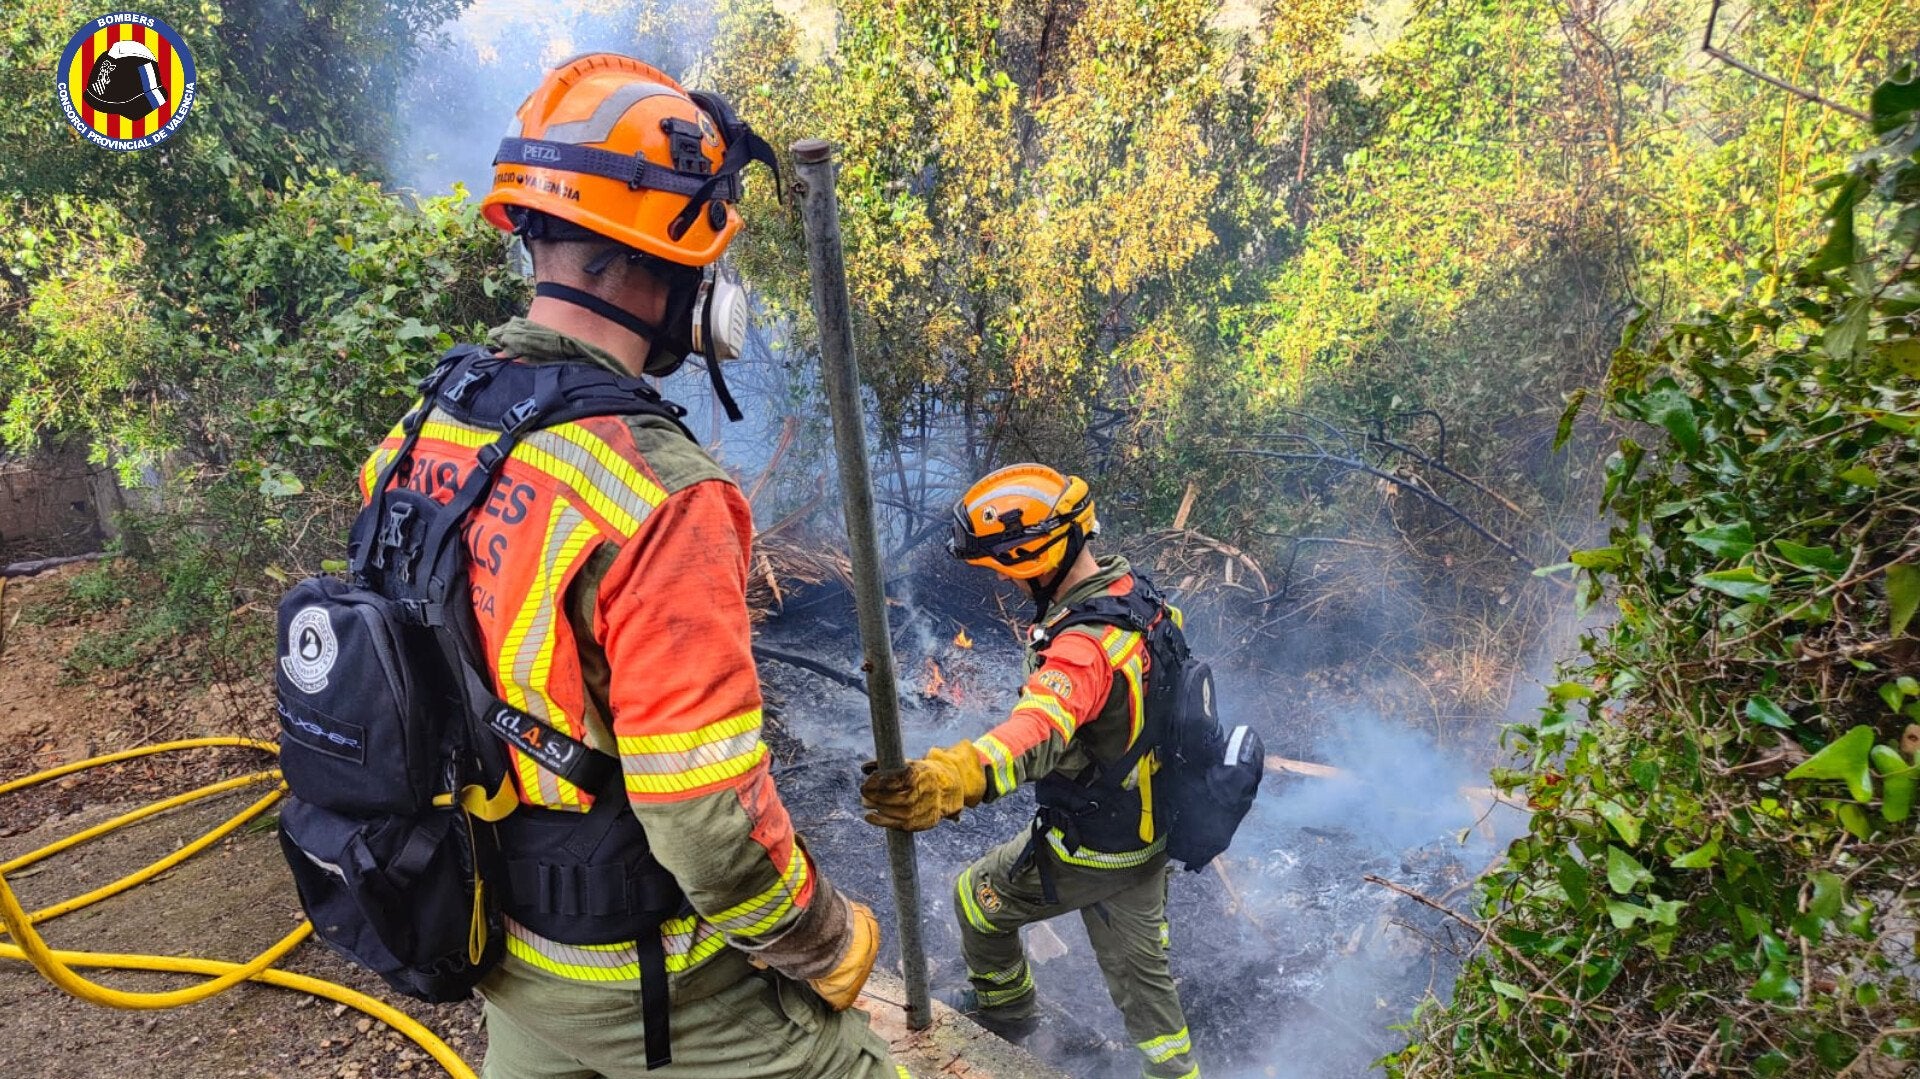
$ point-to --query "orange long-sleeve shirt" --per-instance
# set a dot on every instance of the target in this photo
(609, 586)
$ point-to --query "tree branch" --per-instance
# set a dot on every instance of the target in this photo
(1707, 46)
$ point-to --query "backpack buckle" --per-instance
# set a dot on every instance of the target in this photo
(459, 389)
(393, 536)
(393, 533)
(519, 415)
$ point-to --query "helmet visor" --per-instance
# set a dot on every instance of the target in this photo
(1003, 546)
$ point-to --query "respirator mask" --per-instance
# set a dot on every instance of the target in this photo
(708, 310)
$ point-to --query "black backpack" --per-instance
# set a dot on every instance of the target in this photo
(1208, 776)
(401, 826)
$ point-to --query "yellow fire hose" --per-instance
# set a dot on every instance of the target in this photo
(58, 966)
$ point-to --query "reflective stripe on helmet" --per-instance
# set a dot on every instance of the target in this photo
(1034, 493)
(598, 126)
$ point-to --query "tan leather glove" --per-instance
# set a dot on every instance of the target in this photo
(920, 795)
(842, 986)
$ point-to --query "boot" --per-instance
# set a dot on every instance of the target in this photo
(1015, 1028)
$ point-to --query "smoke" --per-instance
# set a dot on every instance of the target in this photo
(1395, 790)
(458, 97)
(1290, 964)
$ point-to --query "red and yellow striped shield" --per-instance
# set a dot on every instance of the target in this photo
(126, 81)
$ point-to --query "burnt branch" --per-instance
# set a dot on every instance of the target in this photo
(1295, 543)
(806, 664)
(1316, 454)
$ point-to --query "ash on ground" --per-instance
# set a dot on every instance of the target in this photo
(1290, 964)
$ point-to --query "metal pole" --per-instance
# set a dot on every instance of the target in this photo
(820, 211)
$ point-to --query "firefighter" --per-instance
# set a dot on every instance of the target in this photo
(1081, 708)
(608, 577)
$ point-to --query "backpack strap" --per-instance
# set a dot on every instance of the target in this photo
(468, 386)
(410, 428)
(1142, 611)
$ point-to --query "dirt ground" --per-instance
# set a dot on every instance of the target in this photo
(1289, 965)
(229, 902)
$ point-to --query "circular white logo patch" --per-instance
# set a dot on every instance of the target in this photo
(311, 649)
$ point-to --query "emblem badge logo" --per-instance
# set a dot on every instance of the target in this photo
(988, 899)
(1057, 682)
(311, 649)
(126, 81)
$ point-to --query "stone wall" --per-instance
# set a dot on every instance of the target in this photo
(50, 504)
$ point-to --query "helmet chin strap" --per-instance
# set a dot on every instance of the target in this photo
(1043, 594)
(609, 311)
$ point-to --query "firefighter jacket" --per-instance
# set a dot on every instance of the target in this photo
(1083, 704)
(609, 583)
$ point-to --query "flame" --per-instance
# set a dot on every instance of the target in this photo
(934, 681)
(961, 640)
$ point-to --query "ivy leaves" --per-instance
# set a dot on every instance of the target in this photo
(1729, 817)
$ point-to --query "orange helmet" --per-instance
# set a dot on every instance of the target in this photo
(1024, 521)
(619, 149)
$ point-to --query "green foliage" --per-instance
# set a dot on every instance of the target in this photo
(84, 339)
(187, 605)
(1716, 875)
(240, 312)
(1035, 197)
(283, 89)
(317, 317)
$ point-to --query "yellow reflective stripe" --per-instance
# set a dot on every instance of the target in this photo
(530, 610)
(662, 757)
(459, 434)
(708, 746)
(687, 741)
(1117, 642)
(1179, 616)
(1166, 936)
(1145, 771)
(977, 918)
(535, 784)
(993, 998)
(764, 911)
(612, 488)
(702, 776)
(1001, 758)
(1000, 977)
(1162, 1049)
(370, 471)
(688, 941)
(526, 655)
(1048, 705)
(619, 471)
(1100, 859)
(1136, 698)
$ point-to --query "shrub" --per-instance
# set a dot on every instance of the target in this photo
(1717, 876)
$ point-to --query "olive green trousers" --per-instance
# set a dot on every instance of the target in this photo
(540, 1026)
(1125, 911)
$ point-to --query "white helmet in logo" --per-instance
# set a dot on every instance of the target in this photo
(311, 649)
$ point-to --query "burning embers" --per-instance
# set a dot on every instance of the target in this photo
(935, 683)
(954, 683)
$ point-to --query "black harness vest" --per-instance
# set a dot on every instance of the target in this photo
(574, 878)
